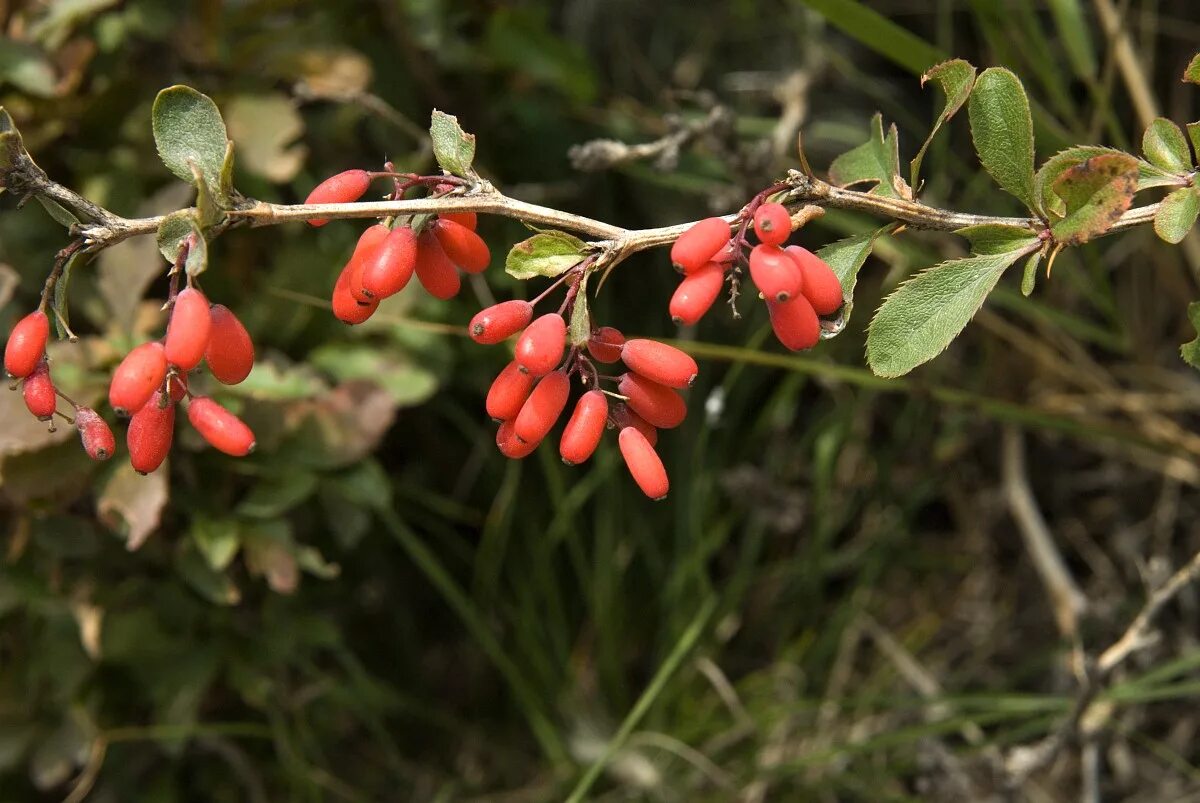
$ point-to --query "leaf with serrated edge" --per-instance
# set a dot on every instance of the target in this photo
(453, 148)
(580, 328)
(1029, 276)
(846, 257)
(548, 253)
(955, 77)
(921, 318)
(1096, 193)
(997, 238)
(1192, 73)
(1002, 130)
(1177, 214)
(1164, 145)
(876, 161)
(1043, 183)
(188, 128)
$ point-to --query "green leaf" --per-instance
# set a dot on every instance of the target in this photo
(580, 328)
(209, 583)
(406, 382)
(1043, 183)
(207, 211)
(1164, 146)
(1192, 73)
(62, 318)
(547, 253)
(846, 256)
(1002, 130)
(275, 495)
(955, 77)
(453, 147)
(1096, 193)
(1190, 351)
(876, 161)
(62, 215)
(1071, 22)
(188, 130)
(1193, 130)
(1029, 277)
(26, 67)
(920, 319)
(217, 539)
(173, 230)
(1177, 214)
(863, 24)
(226, 179)
(995, 238)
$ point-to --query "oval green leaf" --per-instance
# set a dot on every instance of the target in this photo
(1164, 145)
(188, 130)
(1177, 214)
(1002, 129)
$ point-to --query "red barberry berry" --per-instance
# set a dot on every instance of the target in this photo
(435, 271)
(822, 287)
(151, 431)
(699, 244)
(604, 344)
(508, 392)
(346, 308)
(774, 273)
(388, 267)
(223, 430)
(772, 224)
(230, 354)
(94, 432)
(364, 249)
(543, 407)
(26, 344)
(795, 323)
(510, 445)
(137, 377)
(661, 406)
(623, 417)
(696, 294)
(586, 425)
(540, 347)
(468, 219)
(188, 330)
(500, 321)
(344, 188)
(644, 463)
(39, 393)
(462, 245)
(660, 363)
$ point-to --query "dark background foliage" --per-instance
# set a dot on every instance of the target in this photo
(377, 606)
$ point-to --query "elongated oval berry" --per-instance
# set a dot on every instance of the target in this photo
(500, 321)
(346, 187)
(772, 224)
(795, 323)
(26, 344)
(696, 294)
(40, 398)
(586, 425)
(94, 432)
(464, 247)
(223, 430)
(660, 363)
(389, 267)
(151, 431)
(346, 308)
(435, 271)
(699, 244)
(822, 287)
(644, 463)
(508, 392)
(540, 347)
(189, 329)
(468, 219)
(137, 377)
(510, 445)
(774, 273)
(543, 407)
(364, 249)
(604, 344)
(661, 406)
(623, 417)
(230, 354)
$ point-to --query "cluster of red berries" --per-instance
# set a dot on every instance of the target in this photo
(386, 257)
(531, 393)
(797, 285)
(149, 382)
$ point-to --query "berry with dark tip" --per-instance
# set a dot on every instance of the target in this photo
(699, 244)
(137, 377)
(388, 267)
(540, 347)
(94, 432)
(697, 293)
(772, 224)
(223, 430)
(508, 392)
(510, 445)
(660, 363)
(774, 273)
(500, 321)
